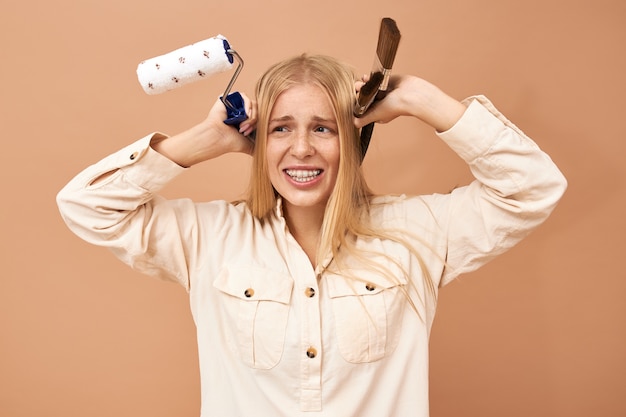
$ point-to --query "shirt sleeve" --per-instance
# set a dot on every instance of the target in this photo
(113, 203)
(516, 188)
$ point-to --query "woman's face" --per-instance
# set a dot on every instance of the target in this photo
(303, 147)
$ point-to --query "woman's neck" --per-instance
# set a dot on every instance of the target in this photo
(305, 224)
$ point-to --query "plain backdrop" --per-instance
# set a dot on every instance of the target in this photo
(541, 331)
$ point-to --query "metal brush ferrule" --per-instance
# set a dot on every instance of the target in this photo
(386, 72)
(385, 83)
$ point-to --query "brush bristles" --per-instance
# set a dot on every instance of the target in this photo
(388, 41)
(368, 93)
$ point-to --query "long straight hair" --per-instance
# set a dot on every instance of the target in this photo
(347, 211)
(349, 200)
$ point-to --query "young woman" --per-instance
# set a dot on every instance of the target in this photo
(314, 297)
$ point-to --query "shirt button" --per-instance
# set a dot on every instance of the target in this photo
(134, 155)
(311, 352)
(248, 293)
(370, 287)
(310, 292)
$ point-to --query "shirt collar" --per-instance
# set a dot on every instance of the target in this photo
(281, 219)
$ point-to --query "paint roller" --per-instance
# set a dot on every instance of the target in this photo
(193, 63)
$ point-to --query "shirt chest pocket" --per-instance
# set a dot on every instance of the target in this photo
(368, 312)
(255, 304)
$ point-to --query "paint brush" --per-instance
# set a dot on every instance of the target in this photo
(388, 41)
(375, 88)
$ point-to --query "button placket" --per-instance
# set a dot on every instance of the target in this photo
(308, 304)
(311, 345)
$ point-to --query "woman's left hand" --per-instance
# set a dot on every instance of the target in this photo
(412, 96)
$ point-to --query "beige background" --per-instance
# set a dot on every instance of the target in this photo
(538, 332)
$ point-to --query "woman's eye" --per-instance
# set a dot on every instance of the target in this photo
(322, 129)
(279, 129)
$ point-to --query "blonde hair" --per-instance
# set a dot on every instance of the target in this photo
(347, 210)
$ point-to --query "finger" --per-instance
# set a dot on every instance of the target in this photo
(247, 129)
(250, 110)
(373, 115)
(247, 126)
(365, 119)
(247, 104)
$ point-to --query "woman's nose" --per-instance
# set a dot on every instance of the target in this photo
(301, 145)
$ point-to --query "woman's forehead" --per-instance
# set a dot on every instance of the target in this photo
(303, 99)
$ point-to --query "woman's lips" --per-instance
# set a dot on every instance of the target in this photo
(303, 175)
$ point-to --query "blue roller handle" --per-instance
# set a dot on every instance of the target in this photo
(236, 113)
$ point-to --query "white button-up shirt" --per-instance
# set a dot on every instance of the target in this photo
(278, 338)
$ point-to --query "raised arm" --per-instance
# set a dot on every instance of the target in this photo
(209, 138)
(114, 203)
(516, 185)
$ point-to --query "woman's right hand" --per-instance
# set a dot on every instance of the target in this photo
(211, 137)
(231, 139)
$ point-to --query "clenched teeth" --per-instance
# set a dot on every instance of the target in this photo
(303, 175)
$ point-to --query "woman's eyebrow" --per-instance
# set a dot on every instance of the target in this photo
(281, 119)
(317, 119)
(324, 119)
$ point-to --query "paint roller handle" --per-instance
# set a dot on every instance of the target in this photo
(235, 109)
(234, 102)
(237, 116)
